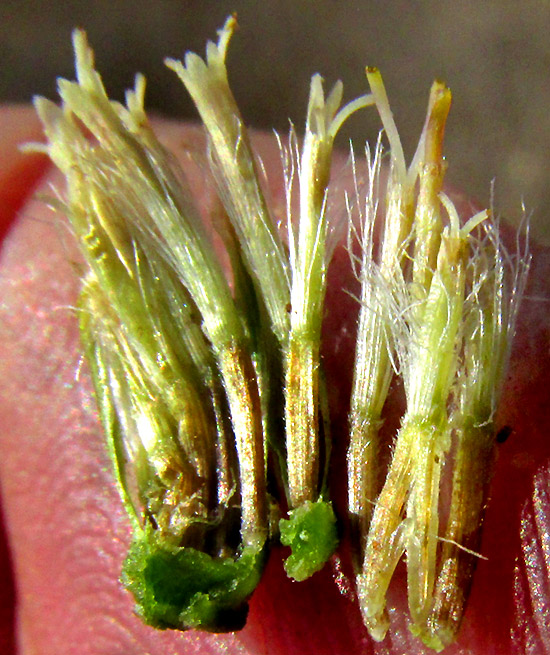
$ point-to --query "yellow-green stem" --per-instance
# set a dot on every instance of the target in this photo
(363, 480)
(430, 444)
(302, 420)
(240, 384)
(472, 473)
(427, 220)
(385, 542)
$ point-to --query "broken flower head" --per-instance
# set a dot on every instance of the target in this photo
(438, 304)
(204, 386)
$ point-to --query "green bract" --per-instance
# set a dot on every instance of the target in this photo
(310, 531)
(185, 588)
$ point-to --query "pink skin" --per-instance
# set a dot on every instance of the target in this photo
(67, 530)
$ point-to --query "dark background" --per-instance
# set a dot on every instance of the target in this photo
(495, 56)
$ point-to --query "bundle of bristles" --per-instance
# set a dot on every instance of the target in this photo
(198, 381)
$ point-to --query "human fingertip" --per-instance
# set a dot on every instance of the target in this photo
(19, 172)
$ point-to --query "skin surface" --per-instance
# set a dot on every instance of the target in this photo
(65, 525)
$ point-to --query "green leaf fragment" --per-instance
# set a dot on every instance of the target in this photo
(183, 588)
(312, 534)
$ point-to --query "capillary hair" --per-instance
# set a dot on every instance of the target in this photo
(236, 176)
(312, 248)
(148, 195)
(498, 280)
(362, 207)
(378, 290)
(326, 235)
(374, 355)
(289, 151)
